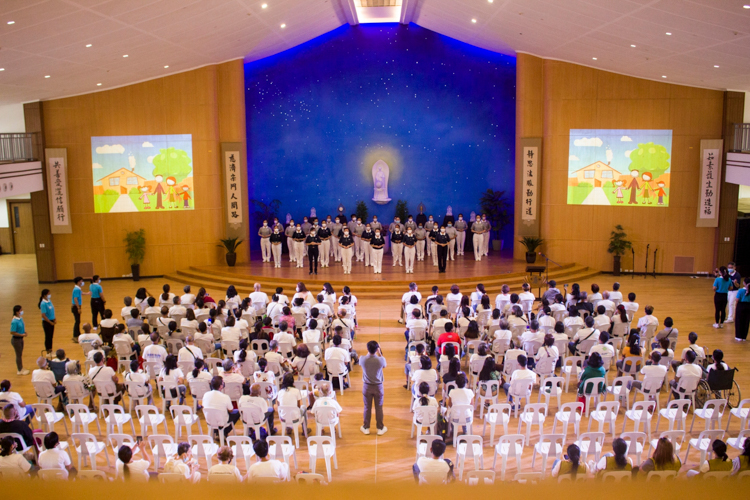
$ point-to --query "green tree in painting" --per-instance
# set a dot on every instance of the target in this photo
(172, 162)
(650, 157)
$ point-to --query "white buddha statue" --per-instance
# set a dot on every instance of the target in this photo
(380, 173)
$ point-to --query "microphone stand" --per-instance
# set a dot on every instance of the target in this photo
(645, 273)
(632, 272)
(654, 272)
(546, 267)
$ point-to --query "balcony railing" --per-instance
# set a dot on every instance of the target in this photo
(741, 138)
(16, 147)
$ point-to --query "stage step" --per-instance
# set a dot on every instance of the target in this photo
(218, 281)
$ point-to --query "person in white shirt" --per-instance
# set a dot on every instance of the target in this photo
(177, 308)
(609, 305)
(410, 307)
(184, 464)
(595, 295)
(283, 336)
(87, 337)
(225, 456)
(699, 352)
(602, 322)
(266, 468)
(125, 312)
(155, 352)
(533, 334)
(526, 294)
(522, 373)
(326, 399)
(434, 464)
(615, 295)
(44, 374)
(102, 372)
(217, 400)
(165, 299)
(406, 299)
(171, 373)
(415, 321)
(108, 321)
(718, 364)
(603, 348)
(461, 395)
(231, 333)
(128, 469)
(557, 303)
(323, 308)
(312, 335)
(338, 352)
(426, 373)
(573, 319)
(152, 308)
(547, 350)
(188, 299)
(273, 356)
(55, 458)
(455, 296)
(648, 320)
(258, 297)
(582, 335)
(631, 306)
(652, 370)
(141, 377)
(687, 368)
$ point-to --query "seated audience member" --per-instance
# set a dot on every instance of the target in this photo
(700, 353)
(126, 468)
(718, 364)
(573, 319)
(44, 374)
(225, 456)
(631, 306)
(616, 461)
(266, 468)
(616, 294)
(53, 457)
(602, 322)
(326, 399)
(122, 336)
(633, 349)
(522, 373)
(669, 332)
(595, 295)
(647, 321)
(305, 364)
(216, 399)
(603, 348)
(609, 305)
(189, 352)
(663, 458)
(12, 424)
(719, 462)
(155, 353)
(448, 336)
(103, 373)
(582, 335)
(177, 308)
(140, 376)
(436, 463)
(199, 372)
(663, 349)
(182, 463)
(533, 334)
(57, 365)
(571, 464)
(424, 398)
(174, 375)
(742, 462)
(594, 369)
(87, 337)
(414, 321)
(425, 374)
(7, 396)
(461, 395)
(11, 460)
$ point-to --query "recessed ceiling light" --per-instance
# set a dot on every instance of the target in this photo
(11, 22)
(716, 65)
(744, 7)
(632, 45)
(594, 58)
(2, 69)
(166, 66)
(490, 1)
(98, 84)
(283, 25)
(125, 55)
(668, 33)
(663, 76)
(46, 76)
(265, 5)
(88, 45)
(474, 21)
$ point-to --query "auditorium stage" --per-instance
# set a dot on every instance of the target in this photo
(493, 271)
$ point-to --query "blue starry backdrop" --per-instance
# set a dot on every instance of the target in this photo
(439, 112)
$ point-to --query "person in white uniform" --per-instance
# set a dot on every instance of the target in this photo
(428, 227)
(421, 235)
(265, 242)
(324, 233)
(299, 245)
(487, 227)
(477, 229)
(397, 245)
(276, 240)
(452, 234)
(410, 250)
(461, 228)
(377, 243)
(346, 242)
(289, 233)
(335, 235)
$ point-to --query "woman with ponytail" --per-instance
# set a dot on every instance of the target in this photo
(721, 293)
(719, 463)
(48, 318)
(571, 464)
(126, 468)
(616, 461)
(742, 463)
(199, 372)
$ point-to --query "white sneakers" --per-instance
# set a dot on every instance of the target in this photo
(717, 325)
(380, 432)
(23, 372)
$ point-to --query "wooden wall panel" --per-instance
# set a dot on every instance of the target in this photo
(186, 103)
(733, 112)
(580, 97)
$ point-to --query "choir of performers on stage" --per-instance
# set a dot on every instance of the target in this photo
(360, 241)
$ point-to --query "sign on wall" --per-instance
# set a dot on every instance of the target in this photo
(530, 183)
(233, 176)
(57, 191)
(710, 183)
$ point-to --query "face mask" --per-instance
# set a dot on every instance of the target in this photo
(450, 225)
(21, 313)
(410, 220)
(338, 222)
(420, 226)
(430, 219)
(408, 232)
(346, 233)
(265, 224)
(49, 296)
(442, 231)
(299, 228)
(324, 225)
(377, 234)
(460, 218)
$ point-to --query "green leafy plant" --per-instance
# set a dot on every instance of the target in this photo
(497, 208)
(362, 211)
(617, 242)
(402, 210)
(531, 243)
(230, 244)
(265, 211)
(135, 246)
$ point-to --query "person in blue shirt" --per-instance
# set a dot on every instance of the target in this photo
(48, 319)
(97, 300)
(721, 291)
(17, 334)
(75, 306)
(742, 312)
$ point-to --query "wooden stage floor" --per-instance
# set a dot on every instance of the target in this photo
(389, 457)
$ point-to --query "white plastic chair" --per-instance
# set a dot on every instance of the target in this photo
(572, 367)
(432, 478)
(548, 445)
(478, 477)
(496, 414)
(704, 443)
(114, 415)
(184, 416)
(75, 391)
(485, 394)
(567, 414)
(81, 417)
(617, 476)
(322, 447)
(281, 448)
(47, 417)
(217, 420)
(676, 413)
(203, 447)
(520, 389)
(661, 476)
(592, 390)
(550, 387)
(292, 417)
(641, 413)
(738, 442)
(589, 442)
(605, 413)
(253, 417)
(509, 446)
(117, 440)
(45, 392)
(650, 389)
(619, 389)
(108, 393)
(337, 368)
(636, 442)
(169, 392)
(53, 474)
(138, 394)
(242, 447)
(162, 446)
(711, 413)
(87, 475)
(424, 444)
(326, 416)
(460, 416)
(741, 412)
(469, 447)
(424, 416)
(198, 388)
(675, 437)
(87, 447)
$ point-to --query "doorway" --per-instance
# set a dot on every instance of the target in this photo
(21, 226)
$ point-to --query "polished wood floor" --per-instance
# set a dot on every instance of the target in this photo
(389, 457)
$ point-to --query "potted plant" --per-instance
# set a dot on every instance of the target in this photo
(617, 246)
(135, 247)
(497, 208)
(361, 211)
(230, 244)
(531, 243)
(402, 211)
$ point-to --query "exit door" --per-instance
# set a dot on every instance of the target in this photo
(21, 223)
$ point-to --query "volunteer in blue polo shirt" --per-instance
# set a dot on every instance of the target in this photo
(48, 318)
(97, 300)
(75, 306)
(17, 334)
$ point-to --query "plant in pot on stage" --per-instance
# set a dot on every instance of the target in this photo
(135, 247)
(361, 211)
(617, 246)
(230, 244)
(531, 243)
(497, 207)
(402, 211)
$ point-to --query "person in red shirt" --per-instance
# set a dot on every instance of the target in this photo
(448, 336)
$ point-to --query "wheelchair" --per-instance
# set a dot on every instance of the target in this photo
(719, 384)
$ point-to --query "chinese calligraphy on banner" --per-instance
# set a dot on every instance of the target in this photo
(57, 186)
(234, 187)
(530, 183)
(710, 181)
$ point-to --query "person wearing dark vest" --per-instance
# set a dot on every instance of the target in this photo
(663, 458)
(432, 248)
(299, 244)
(617, 461)
(346, 242)
(719, 463)
(377, 243)
(313, 250)
(324, 233)
(397, 244)
(442, 240)
(410, 250)
(365, 243)
(742, 463)
(277, 240)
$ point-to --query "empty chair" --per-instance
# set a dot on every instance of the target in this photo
(469, 447)
(424, 416)
(162, 446)
(548, 445)
(619, 389)
(203, 447)
(292, 417)
(496, 414)
(641, 413)
(149, 416)
(477, 477)
(711, 413)
(46, 415)
(676, 413)
(114, 415)
(567, 414)
(81, 417)
(591, 442)
(533, 414)
(184, 416)
(605, 413)
(509, 446)
(704, 442)
(572, 367)
(551, 387)
(322, 447)
(87, 447)
(636, 442)
(741, 412)
(281, 448)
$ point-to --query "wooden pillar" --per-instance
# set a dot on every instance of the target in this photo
(734, 109)
(43, 242)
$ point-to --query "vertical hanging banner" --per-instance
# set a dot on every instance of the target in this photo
(710, 183)
(57, 191)
(530, 183)
(234, 186)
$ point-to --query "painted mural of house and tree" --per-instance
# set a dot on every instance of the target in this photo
(147, 173)
(619, 167)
